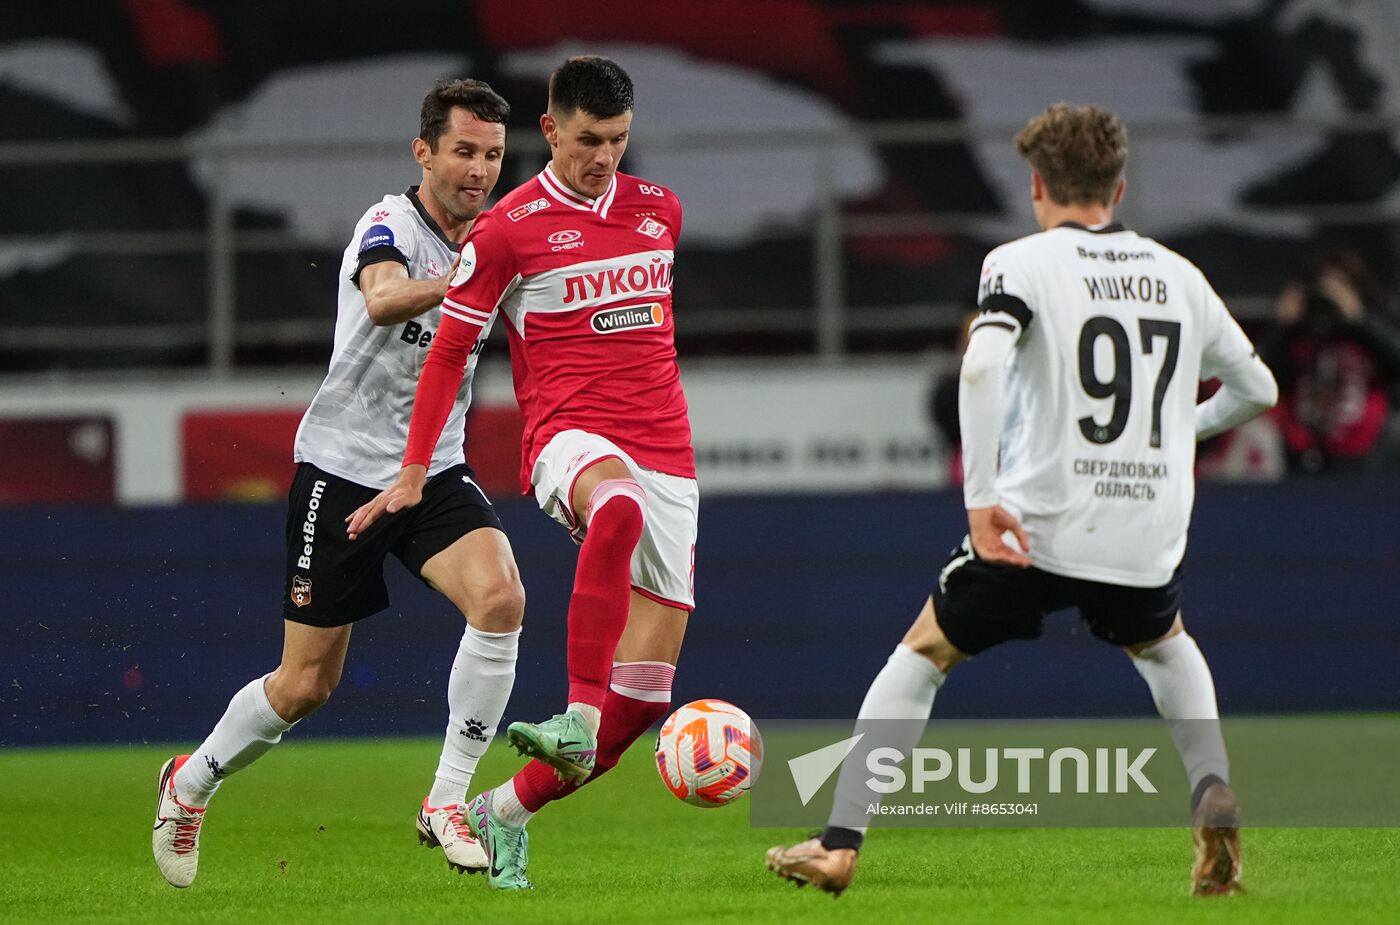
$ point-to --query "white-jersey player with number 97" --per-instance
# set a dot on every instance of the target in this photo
(1079, 426)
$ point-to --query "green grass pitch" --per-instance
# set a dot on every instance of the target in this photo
(323, 831)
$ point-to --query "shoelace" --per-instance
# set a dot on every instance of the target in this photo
(187, 831)
(464, 832)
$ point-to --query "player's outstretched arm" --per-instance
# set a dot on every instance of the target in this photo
(432, 406)
(406, 492)
(392, 298)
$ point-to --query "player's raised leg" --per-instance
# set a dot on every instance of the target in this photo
(903, 691)
(256, 718)
(612, 506)
(639, 695)
(1184, 691)
(479, 575)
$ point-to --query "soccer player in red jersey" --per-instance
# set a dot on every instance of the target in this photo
(578, 261)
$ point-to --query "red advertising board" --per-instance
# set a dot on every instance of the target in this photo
(56, 460)
(247, 455)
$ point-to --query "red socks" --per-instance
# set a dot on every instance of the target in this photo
(625, 719)
(603, 586)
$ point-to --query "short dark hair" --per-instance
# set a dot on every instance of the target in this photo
(475, 96)
(591, 84)
(1079, 152)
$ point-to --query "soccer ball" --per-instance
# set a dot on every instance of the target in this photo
(709, 753)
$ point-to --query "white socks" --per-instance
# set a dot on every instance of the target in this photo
(483, 674)
(903, 690)
(1181, 686)
(249, 728)
(506, 805)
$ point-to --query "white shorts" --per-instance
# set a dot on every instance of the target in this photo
(663, 565)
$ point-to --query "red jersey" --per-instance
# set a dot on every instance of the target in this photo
(585, 288)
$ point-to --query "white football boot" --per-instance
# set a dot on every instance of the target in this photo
(808, 862)
(175, 838)
(445, 828)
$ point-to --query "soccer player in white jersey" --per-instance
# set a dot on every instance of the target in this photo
(392, 280)
(578, 261)
(1081, 374)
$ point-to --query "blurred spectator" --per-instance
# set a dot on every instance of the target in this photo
(1336, 353)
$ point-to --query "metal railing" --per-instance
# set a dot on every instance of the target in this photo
(829, 321)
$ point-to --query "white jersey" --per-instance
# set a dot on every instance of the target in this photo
(1098, 438)
(357, 425)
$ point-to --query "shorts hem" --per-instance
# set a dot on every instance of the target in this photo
(665, 602)
(309, 620)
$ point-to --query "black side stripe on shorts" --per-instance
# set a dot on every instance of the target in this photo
(1009, 304)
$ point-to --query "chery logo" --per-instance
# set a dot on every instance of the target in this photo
(565, 237)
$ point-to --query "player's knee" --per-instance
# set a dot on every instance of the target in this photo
(927, 639)
(498, 608)
(313, 688)
(297, 695)
(617, 510)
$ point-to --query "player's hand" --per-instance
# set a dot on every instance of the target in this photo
(445, 280)
(986, 526)
(406, 492)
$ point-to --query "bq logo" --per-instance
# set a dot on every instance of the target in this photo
(627, 319)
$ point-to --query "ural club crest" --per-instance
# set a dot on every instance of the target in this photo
(651, 228)
(301, 591)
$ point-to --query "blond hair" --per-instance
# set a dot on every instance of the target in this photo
(1078, 151)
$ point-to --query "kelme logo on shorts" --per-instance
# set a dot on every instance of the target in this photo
(613, 320)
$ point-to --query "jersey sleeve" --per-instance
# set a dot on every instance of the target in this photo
(1004, 295)
(1247, 386)
(1225, 345)
(384, 234)
(442, 374)
(677, 217)
(485, 274)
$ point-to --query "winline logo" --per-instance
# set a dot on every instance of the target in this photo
(612, 320)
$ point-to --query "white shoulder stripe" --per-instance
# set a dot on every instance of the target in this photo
(460, 309)
(475, 318)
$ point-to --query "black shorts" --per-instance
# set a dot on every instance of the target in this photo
(332, 581)
(980, 604)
